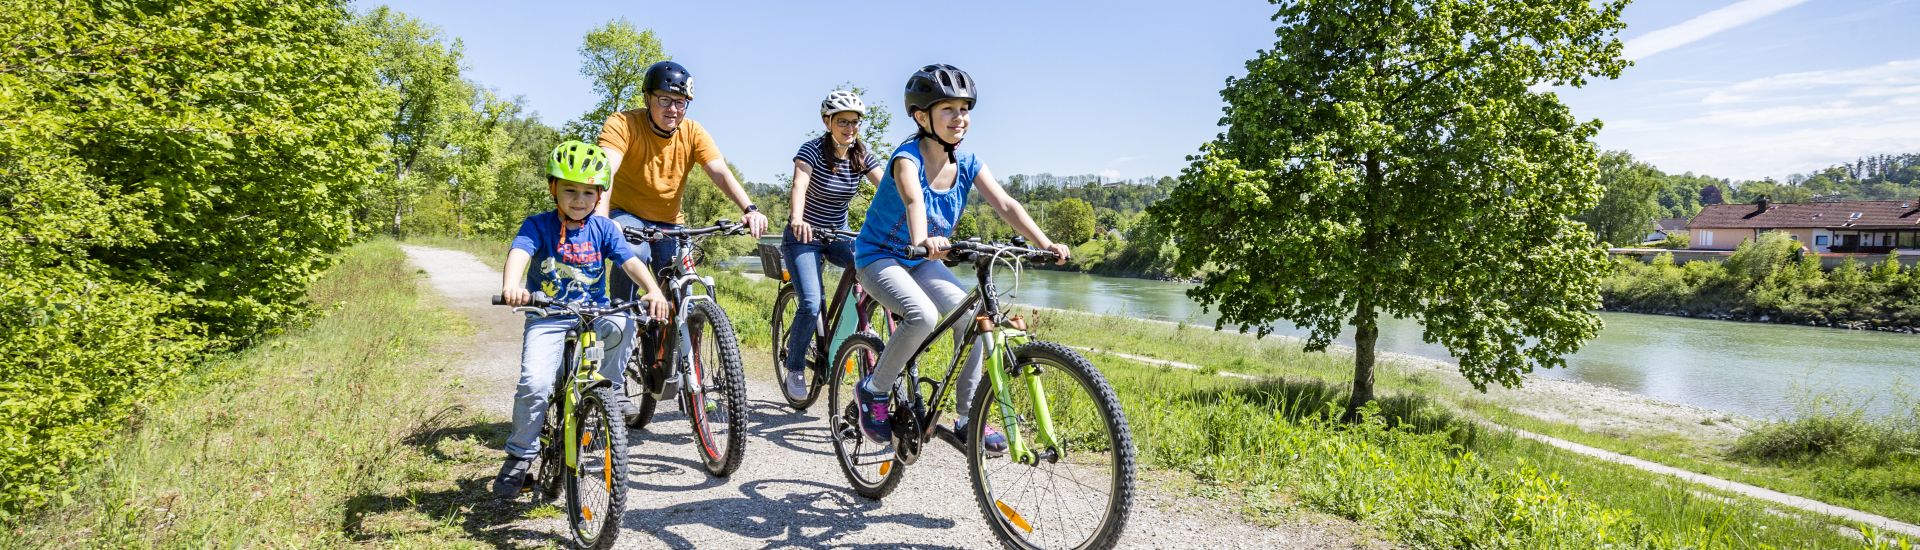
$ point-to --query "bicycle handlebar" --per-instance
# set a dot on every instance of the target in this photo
(550, 307)
(970, 250)
(651, 234)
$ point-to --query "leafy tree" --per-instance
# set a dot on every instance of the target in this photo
(614, 57)
(1710, 194)
(423, 74)
(1389, 157)
(1627, 208)
(1070, 221)
(173, 175)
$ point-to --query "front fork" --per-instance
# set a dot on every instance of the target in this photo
(997, 374)
(585, 379)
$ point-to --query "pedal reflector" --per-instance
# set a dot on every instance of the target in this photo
(1012, 516)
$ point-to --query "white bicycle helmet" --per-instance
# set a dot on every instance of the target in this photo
(840, 101)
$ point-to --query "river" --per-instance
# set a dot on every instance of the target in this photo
(1754, 369)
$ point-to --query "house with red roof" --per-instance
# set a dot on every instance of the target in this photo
(1875, 227)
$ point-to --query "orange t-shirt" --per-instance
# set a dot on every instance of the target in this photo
(652, 168)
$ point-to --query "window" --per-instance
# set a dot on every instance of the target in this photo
(1706, 238)
(1886, 240)
(1820, 240)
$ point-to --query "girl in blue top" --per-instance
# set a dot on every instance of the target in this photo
(826, 176)
(917, 204)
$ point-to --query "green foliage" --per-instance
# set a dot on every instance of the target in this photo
(1628, 206)
(1678, 240)
(172, 177)
(1771, 277)
(1069, 221)
(615, 58)
(1391, 158)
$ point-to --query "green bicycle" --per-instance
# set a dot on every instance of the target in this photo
(583, 444)
(1066, 479)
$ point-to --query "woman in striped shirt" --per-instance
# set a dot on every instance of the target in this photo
(826, 176)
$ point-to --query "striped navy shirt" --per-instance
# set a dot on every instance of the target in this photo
(829, 189)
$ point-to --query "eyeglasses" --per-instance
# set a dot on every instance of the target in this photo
(671, 104)
(847, 123)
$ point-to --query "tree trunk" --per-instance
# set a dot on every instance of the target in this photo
(1366, 331)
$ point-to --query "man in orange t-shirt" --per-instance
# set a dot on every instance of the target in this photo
(652, 149)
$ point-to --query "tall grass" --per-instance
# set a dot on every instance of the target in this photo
(277, 445)
(1411, 469)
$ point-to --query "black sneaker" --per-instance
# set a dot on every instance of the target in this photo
(513, 475)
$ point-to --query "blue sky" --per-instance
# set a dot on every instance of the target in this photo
(1732, 88)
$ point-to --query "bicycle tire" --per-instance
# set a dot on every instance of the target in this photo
(875, 478)
(726, 382)
(602, 455)
(638, 396)
(1009, 525)
(783, 306)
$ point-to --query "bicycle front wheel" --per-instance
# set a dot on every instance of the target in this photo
(717, 404)
(783, 308)
(1075, 491)
(597, 489)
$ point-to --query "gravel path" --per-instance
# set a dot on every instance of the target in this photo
(789, 492)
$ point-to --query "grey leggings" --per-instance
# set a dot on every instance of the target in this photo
(920, 295)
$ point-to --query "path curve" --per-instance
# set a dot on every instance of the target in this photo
(789, 492)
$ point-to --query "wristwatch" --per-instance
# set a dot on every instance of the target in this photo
(751, 208)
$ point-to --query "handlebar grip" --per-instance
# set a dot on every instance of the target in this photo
(499, 300)
(916, 252)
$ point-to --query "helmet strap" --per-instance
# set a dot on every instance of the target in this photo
(926, 132)
(657, 130)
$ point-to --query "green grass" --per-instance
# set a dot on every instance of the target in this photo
(338, 433)
(1415, 471)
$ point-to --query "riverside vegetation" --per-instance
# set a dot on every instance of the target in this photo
(1768, 279)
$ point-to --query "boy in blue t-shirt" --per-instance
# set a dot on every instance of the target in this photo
(570, 249)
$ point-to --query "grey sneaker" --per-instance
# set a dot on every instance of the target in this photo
(513, 476)
(796, 384)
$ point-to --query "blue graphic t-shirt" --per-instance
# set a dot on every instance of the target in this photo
(885, 233)
(574, 269)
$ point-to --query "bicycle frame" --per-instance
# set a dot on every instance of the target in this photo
(1000, 333)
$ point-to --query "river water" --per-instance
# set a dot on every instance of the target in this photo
(1753, 369)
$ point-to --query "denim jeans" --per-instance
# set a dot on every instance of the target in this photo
(544, 340)
(804, 260)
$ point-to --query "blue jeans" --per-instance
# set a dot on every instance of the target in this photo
(804, 260)
(657, 255)
(540, 351)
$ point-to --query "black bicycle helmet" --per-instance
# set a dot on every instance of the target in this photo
(939, 82)
(668, 76)
(933, 84)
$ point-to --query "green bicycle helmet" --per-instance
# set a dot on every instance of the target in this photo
(581, 162)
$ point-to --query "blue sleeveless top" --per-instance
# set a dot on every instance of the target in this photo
(885, 233)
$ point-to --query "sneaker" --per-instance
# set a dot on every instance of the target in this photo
(513, 475)
(796, 384)
(995, 443)
(875, 421)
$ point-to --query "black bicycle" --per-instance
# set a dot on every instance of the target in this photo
(867, 315)
(583, 445)
(695, 356)
(1066, 479)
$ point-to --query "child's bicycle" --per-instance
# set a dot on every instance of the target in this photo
(695, 357)
(867, 315)
(583, 445)
(1066, 478)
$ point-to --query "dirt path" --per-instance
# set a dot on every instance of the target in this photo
(789, 492)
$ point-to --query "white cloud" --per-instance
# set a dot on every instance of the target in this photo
(1705, 25)
(1110, 174)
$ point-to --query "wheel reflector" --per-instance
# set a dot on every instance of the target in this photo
(1012, 516)
(586, 439)
(886, 467)
(587, 511)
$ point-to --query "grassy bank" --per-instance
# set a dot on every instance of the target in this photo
(311, 438)
(1414, 470)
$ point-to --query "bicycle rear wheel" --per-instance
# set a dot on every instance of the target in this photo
(1076, 493)
(717, 405)
(636, 389)
(872, 468)
(597, 490)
